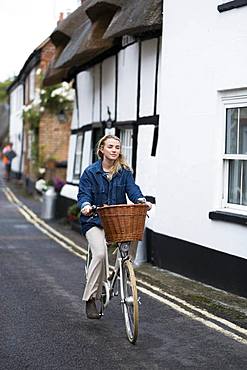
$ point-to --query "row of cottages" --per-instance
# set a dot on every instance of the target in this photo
(39, 136)
(183, 130)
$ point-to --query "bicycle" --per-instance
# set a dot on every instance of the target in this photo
(122, 225)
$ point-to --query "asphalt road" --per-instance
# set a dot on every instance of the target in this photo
(43, 324)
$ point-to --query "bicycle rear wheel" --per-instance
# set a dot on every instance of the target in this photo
(130, 301)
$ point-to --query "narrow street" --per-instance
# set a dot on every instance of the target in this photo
(43, 324)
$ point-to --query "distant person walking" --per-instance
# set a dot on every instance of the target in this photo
(8, 154)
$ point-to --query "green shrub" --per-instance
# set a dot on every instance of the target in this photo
(73, 213)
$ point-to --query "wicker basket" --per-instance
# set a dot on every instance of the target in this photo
(123, 222)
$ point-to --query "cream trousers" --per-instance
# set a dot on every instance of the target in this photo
(99, 263)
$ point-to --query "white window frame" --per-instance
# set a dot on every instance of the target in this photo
(78, 156)
(231, 99)
(126, 137)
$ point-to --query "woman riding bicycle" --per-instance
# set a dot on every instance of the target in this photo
(107, 181)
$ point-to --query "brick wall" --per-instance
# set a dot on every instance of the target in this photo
(54, 140)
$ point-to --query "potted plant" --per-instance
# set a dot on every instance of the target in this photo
(73, 215)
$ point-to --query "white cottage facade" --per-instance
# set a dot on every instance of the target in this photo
(200, 222)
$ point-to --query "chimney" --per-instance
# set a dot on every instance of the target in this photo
(60, 19)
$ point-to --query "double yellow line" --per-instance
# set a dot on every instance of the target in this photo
(31, 217)
(237, 333)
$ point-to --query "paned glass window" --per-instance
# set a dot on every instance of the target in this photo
(78, 156)
(126, 137)
(236, 155)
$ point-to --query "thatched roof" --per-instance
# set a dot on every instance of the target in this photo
(55, 75)
(136, 18)
(93, 28)
(65, 29)
(86, 43)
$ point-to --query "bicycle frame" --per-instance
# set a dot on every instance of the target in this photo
(109, 285)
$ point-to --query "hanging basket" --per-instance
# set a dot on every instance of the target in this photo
(123, 222)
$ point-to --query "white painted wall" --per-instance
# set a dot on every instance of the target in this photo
(148, 70)
(16, 126)
(108, 87)
(127, 83)
(205, 51)
(85, 84)
(96, 93)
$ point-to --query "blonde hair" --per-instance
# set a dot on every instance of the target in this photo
(120, 162)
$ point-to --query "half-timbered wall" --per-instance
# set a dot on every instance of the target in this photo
(127, 85)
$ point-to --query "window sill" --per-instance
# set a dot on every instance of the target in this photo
(236, 218)
(229, 5)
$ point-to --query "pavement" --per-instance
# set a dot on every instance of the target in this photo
(173, 287)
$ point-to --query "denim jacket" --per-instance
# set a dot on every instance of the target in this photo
(96, 189)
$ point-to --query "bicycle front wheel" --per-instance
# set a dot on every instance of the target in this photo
(130, 301)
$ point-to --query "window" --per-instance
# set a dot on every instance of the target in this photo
(126, 137)
(235, 157)
(78, 156)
